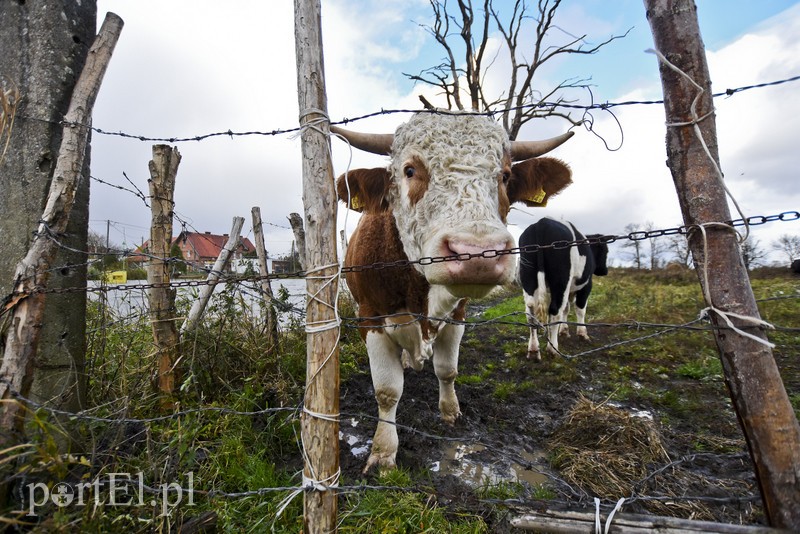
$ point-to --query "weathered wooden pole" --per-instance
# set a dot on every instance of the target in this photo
(296, 223)
(163, 171)
(199, 305)
(263, 270)
(33, 271)
(759, 397)
(320, 425)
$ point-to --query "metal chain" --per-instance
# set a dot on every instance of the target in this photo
(639, 235)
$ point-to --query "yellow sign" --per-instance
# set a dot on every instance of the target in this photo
(115, 277)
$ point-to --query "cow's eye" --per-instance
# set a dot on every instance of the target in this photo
(506, 177)
(409, 171)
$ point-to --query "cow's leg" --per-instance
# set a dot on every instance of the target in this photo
(533, 322)
(408, 334)
(559, 304)
(445, 365)
(581, 301)
(387, 379)
(563, 330)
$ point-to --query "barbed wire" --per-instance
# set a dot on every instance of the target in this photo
(637, 235)
(296, 410)
(510, 456)
(606, 106)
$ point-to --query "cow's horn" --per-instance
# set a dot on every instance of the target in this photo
(375, 143)
(530, 149)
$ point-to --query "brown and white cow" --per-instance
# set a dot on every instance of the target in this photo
(446, 192)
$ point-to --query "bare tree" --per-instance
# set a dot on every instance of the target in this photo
(635, 247)
(465, 33)
(657, 247)
(679, 246)
(752, 253)
(789, 245)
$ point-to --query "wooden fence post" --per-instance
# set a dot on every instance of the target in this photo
(296, 223)
(163, 170)
(263, 270)
(33, 270)
(759, 398)
(320, 423)
(199, 305)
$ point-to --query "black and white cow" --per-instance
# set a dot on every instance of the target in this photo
(551, 278)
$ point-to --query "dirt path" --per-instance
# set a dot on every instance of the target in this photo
(511, 408)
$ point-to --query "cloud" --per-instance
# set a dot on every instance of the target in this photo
(190, 67)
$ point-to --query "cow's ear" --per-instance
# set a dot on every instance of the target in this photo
(535, 180)
(367, 191)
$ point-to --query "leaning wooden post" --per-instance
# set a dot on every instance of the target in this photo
(320, 424)
(32, 272)
(263, 270)
(759, 398)
(163, 170)
(199, 305)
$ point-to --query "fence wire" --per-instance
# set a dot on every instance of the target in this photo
(607, 106)
(118, 407)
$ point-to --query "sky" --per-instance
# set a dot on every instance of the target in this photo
(186, 68)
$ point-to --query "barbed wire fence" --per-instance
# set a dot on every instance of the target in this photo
(247, 285)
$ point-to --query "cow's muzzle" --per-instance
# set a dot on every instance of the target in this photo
(473, 265)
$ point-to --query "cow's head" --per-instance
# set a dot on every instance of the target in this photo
(450, 184)
(600, 253)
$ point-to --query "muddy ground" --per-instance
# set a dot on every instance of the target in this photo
(504, 437)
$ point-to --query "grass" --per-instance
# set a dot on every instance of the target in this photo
(403, 511)
(227, 364)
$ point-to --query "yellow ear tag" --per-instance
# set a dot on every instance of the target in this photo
(538, 198)
(355, 203)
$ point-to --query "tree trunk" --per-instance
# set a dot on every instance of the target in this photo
(759, 398)
(44, 45)
(163, 171)
(33, 272)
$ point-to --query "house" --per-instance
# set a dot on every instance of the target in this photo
(200, 250)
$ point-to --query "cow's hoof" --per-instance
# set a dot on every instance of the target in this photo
(584, 337)
(450, 412)
(535, 355)
(384, 461)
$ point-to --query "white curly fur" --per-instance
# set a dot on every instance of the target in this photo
(463, 154)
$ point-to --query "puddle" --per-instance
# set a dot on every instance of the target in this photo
(634, 412)
(359, 445)
(463, 460)
(458, 460)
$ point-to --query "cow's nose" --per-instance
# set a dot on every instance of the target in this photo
(457, 247)
(479, 263)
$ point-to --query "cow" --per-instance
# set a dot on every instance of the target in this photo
(796, 267)
(446, 193)
(551, 278)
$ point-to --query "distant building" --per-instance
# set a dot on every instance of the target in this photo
(200, 250)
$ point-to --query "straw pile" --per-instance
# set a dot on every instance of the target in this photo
(611, 453)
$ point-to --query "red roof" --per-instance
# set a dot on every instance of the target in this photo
(208, 246)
